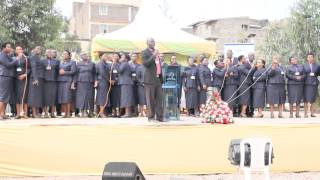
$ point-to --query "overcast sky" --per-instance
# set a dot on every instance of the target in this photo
(186, 12)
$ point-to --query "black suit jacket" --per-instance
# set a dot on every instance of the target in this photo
(150, 73)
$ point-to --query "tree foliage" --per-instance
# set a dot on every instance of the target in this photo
(298, 34)
(33, 23)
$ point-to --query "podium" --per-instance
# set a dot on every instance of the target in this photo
(171, 88)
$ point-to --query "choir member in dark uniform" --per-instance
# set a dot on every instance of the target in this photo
(127, 98)
(205, 80)
(234, 60)
(6, 77)
(295, 75)
(245, 73)
(50, 83)
(36, 85)
(102, 84)
(250, 108)
(191, 87)
(164, 65)
(231, 83)
(173, 62)
(259, 88)
(311, 69)
(115, 90)
(218, 75)
(21, 83)
(58, 106)
(84, 81)
(276, 92)
(134, 65)
(67, 69)
(141, 96)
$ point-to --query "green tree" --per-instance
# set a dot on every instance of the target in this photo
(29, 22)
(277, 42)
(64, 40)
(305, 27)
(298, 34)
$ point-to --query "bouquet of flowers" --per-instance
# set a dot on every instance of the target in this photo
(216, 110)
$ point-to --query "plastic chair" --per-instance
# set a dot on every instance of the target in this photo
(257, 162)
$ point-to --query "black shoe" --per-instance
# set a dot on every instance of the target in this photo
(126, 116)
(236, 115)
(160, 119)
(13, 115)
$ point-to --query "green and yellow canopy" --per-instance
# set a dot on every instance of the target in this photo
(150, 22)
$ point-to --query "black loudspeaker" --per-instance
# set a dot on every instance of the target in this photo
(122, 171)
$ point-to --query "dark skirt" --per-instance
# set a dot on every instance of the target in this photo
(127, 96)
(65, 93)
(141, 95)
(19, 89)
(102, 92)
(85, 95)
(36, 94)
(259, 98)
(295, 93)
(228, 90)
(50, 93)
(115, 96)
(191, 96)
(310, 93)
(276, 94)
(244, 99)
(203, 97)
(6, 89)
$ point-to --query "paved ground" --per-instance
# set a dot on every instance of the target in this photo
(274, 176)
(185, 120)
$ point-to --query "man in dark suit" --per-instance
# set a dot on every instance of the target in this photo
(153, 81)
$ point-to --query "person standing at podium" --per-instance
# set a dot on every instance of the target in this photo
(153, 81)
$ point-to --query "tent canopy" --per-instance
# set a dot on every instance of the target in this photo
(151, 22)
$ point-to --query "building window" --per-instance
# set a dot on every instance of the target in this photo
(103, 28)
(103, 10)
(244, 27)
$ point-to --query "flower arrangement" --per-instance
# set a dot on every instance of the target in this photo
(216, 110)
